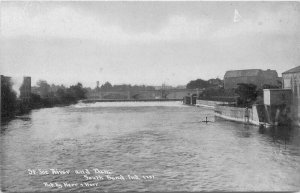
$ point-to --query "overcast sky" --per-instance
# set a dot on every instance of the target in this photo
(145, 42)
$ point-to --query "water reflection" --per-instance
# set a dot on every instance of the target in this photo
(281, 133)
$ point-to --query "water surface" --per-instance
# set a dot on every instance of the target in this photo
(166, 140)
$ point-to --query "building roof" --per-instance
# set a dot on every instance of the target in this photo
(239, 73)
(293, 70)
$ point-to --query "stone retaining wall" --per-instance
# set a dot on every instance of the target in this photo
(238, 114)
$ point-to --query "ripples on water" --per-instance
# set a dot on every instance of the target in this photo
(164, 139)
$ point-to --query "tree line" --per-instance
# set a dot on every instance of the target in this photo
(42, 95)
(107, 86)
(45, 95)
(50, 95)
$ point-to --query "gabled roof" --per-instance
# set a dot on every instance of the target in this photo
(239, 73)
(293, 70)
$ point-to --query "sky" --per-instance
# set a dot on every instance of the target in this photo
(145, 42)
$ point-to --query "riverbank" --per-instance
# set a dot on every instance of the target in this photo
(257, 114)
(226, 111)
(22, 111)
(241, 115)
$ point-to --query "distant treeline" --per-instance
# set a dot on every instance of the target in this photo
(43, 95)
(107, 86)
(202, 84)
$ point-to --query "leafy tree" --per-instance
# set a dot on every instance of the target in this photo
(69, 96)
(60, 93)
(268, 86)
(247, 94)
(106, 86)
(36, 101)
(199, 83)
(125, 87)
(50, 96)
(77, 91)
(43, 88)
(279, 84)
(8, 98)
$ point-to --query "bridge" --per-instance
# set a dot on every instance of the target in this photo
(140, 95)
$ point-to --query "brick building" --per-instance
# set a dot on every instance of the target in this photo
(251, 76)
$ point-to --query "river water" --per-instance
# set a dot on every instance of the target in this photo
(164, 141)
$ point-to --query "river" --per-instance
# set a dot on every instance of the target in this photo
(165, 141)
